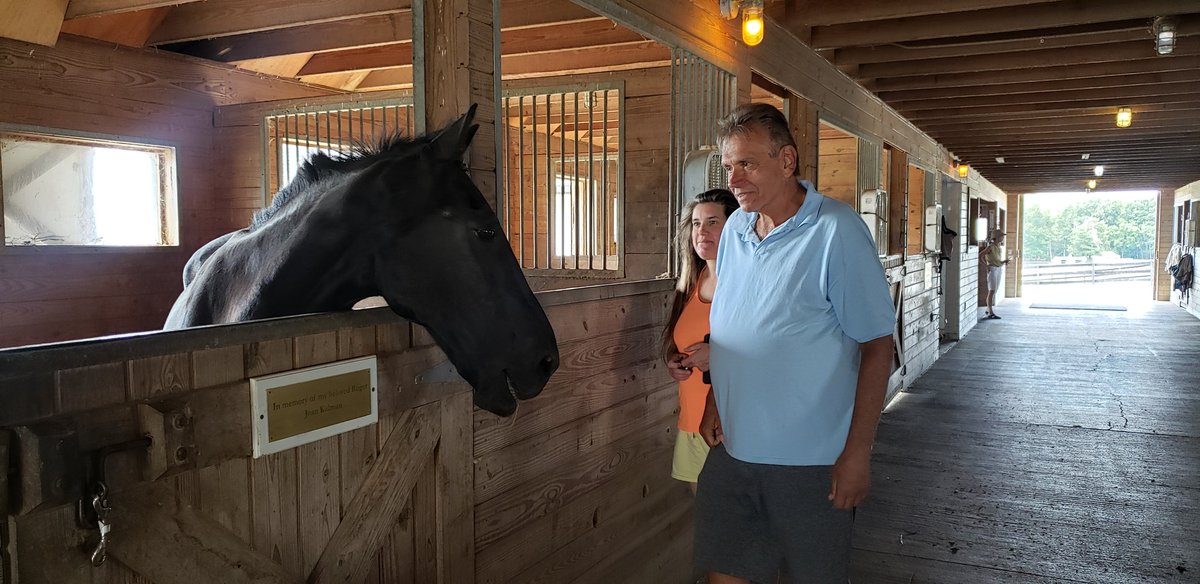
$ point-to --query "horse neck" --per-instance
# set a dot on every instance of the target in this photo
(314, 272)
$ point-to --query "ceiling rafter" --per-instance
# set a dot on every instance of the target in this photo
(991, 20)
(89, 8)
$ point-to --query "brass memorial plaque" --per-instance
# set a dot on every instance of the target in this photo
(297, 407)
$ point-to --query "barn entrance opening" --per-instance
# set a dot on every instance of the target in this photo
(1088, 250)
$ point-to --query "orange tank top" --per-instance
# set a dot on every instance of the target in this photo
(691, 328)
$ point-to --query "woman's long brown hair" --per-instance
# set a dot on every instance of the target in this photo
(690, 263)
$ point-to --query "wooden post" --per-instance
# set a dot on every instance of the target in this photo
(1015, 229)
(804, 124)
(453, 58)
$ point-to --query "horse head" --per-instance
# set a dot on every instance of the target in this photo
(443, 261)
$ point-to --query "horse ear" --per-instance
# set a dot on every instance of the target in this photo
(452, 141)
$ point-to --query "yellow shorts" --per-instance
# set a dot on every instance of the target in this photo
(690, 452)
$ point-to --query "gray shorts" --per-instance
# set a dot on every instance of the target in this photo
(757, 521)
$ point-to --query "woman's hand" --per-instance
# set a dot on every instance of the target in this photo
(697, 356)
(676, 368)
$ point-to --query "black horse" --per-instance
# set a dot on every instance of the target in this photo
(401, 220)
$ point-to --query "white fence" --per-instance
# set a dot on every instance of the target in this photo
(1120, 271)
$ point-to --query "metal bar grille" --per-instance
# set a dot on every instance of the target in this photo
(701, 94)
(558, 168)
(292, 136)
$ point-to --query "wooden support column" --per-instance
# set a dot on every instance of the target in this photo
(1164, 237)
(805, 126)
(454, 60)
(1015, 230)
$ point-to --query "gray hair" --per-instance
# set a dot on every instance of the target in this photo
(747, 117)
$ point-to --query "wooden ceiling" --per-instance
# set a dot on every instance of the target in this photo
(1036, 83)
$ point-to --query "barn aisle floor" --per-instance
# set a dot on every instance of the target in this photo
(1052, 446)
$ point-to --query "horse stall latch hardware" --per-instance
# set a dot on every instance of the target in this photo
(92, 510)
(101, 508)
(171, 427)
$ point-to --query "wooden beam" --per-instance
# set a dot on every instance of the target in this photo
(555, 37)
(892, 53)
(1115, 95)
(130, 30)
(992, 20)
(180, 546)
(825, 12)
(1189, 101)
(86, 8)
(1136, 79)
(572, 61)
(1185, 47)
(1052, 73)
(32, 22)
(1063, 120)
(202, 20)
(361, 59)
(385, 489)
(339, 34)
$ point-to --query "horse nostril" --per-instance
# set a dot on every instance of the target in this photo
(549, 363)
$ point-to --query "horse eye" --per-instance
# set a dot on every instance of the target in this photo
(485, 234)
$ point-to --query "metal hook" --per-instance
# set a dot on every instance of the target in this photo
(101, 506)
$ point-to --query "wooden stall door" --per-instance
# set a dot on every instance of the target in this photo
(406, 516)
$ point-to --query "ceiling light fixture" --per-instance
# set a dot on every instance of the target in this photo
(752, 22)
(1124, 117)
(1000, 159)
(753, 25)
(1099, 170)
(1091, 184)
(1164, 35)
(1086, 156)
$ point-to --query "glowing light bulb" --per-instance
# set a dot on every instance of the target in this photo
(1124, 118)
(752, 23)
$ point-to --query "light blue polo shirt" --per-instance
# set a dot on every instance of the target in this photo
(787, 317)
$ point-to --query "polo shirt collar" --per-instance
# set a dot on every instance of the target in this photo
(806, 215)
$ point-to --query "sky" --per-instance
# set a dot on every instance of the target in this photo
(1056, 202)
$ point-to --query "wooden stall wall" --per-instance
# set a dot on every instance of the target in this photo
(574, 487)
(1164, 223)
(1187, 195)
(52, 294)
(646, 168)
(977, 188)
(837, 165)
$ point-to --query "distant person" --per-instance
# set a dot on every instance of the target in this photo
(801, 351)
(696, 243)
(995, 270)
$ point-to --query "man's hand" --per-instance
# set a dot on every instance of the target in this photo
(697, 356)
(710, 424)
(851, 480)
(676, 368)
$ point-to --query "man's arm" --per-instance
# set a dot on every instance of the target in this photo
(852, 471)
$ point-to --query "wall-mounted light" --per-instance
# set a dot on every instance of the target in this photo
(1099, 170)
(963, 170)
(1124, 117)
(1091, 184)
(752, 22)
(1164, 35)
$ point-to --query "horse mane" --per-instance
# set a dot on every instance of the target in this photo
(321, 166)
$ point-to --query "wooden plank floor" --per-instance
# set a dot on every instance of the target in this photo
(1049, 446)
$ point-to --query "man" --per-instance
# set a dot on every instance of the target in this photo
(801, 350)
(995, 270)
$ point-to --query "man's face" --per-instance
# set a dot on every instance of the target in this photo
(757, 178)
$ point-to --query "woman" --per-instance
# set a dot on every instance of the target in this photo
(699, 233)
